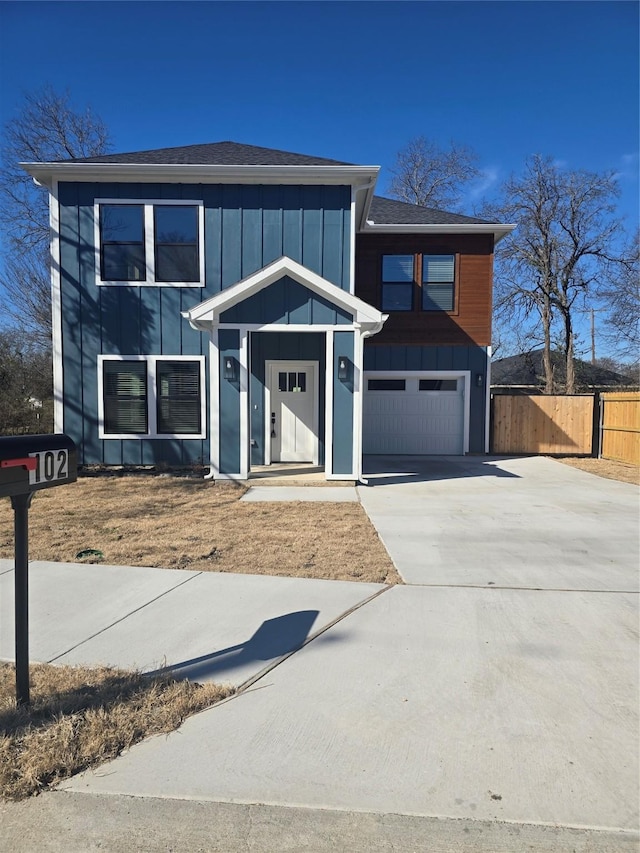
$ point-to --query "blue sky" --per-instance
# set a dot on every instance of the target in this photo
(353, 81)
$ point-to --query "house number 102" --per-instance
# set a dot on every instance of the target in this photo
(51, 465)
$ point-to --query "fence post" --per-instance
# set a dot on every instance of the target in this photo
(596, 438)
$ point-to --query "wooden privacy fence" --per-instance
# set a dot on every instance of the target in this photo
(547, 424)
(620, 426)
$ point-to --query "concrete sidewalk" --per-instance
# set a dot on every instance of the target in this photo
(208, 626)
(490, 706)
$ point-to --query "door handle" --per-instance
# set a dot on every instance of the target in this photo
(273, 424)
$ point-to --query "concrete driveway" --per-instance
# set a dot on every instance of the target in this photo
(490, 704)
(527, 523)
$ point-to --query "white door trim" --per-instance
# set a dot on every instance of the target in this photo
(271, 368)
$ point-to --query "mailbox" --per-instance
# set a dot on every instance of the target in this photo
(29, 463)
(32, 462)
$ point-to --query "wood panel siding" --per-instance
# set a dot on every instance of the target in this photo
(549, 424)
(469, 324)
(620, 427)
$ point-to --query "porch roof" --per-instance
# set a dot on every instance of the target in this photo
(206, 315)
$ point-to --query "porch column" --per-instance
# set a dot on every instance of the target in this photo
(344, 421)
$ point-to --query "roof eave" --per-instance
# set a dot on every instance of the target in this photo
(46, 173)
(498, 230)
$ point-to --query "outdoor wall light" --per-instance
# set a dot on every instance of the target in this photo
(230, 368)
(479, 380)
(344, 369)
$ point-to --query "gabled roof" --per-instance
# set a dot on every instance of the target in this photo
(206, 315)
(212, 154)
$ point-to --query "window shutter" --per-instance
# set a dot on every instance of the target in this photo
(125, 397)
(178, 388)
(437, 268)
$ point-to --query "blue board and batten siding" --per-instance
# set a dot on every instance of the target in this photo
(343, 462)
(286, 302)
(432, 359)
(246, 227)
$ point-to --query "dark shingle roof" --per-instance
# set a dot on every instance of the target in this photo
(388, 211)
(213, 154)
(527, 369)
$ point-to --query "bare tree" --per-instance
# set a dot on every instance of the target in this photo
(620, 295)
(47, 128)
(431, 176)
(26, 398)
(563, 248)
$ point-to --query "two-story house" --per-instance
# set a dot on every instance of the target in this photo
(238, 306)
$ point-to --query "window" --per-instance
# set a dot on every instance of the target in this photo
(386, 385)
(292, 382)
(438, 272)
(149, 243)
(178, 391)
(397, 282)
(122, 230)
(151, 397)
(125, 397)
(438, 385)
(433, 274)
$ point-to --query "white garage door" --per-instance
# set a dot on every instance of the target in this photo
(413, 415)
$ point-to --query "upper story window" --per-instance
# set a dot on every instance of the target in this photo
(149, 243)
(397, 282)
(438, 275)
(432, 276)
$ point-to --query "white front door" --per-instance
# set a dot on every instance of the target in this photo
(292, 415)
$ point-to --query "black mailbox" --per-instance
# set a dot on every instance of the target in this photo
(29, 463)
(32, 462)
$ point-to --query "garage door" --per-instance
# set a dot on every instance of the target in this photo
(413, 415)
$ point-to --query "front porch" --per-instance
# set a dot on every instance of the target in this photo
(285, 373)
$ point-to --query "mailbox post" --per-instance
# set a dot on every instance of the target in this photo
(29, 463)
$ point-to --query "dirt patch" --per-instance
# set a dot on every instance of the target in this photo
(180, 523)
(604, 468)
(80, 717)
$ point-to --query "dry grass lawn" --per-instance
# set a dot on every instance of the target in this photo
(182, 523)
(81, 717)
(605, 468)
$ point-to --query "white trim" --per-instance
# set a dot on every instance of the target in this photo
(214, 404)
(244, 405)
(352, 243)
(498, 230)
(56, 309)
(267, 415)
(151, 361)
(291, 327)
(487, 402)
(197, 173)
(149, 241)
(207, 314)
(358, 397)
(328, 406)
(434, 374)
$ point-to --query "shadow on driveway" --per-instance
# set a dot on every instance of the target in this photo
(390, 470)
(273, 639)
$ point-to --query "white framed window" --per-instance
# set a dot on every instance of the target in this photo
(153, 396)
(149, 242)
